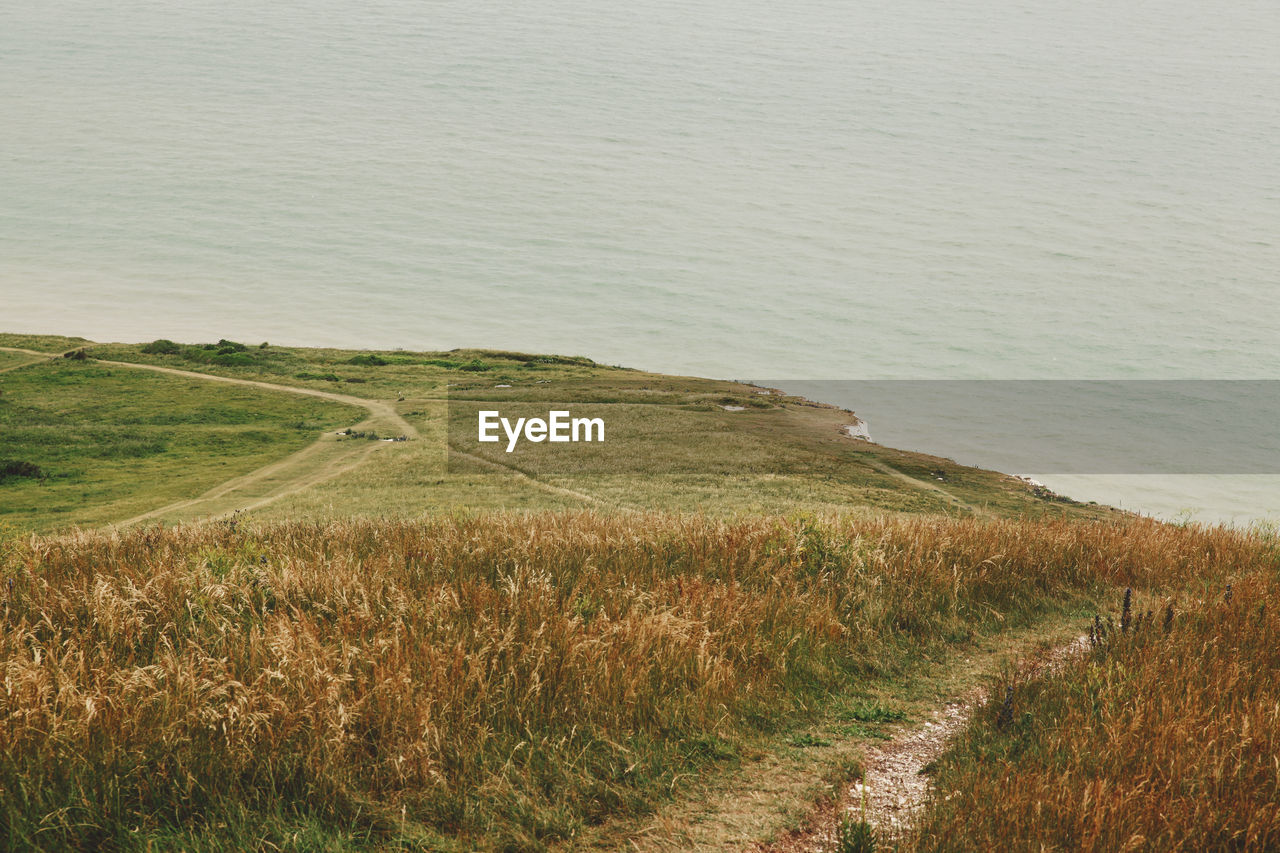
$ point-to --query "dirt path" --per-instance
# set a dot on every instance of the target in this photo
(326, 458)
(893, 790)
(927, 486)
(40, 353)
(378, 409)
(381, 413)
(36, 358)
(316, 463)
(532, 481)
(20, 364)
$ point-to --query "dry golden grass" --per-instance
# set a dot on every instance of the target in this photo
(482, 682)
(1164, 737)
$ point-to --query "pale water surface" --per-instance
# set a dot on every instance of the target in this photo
(816, 189)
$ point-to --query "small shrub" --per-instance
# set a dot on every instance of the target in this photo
(232, 358)
(585, 607)
(370, 360)
(877, 713)
(18, 469)
(855, 835)
(866, 732)
(162, 346)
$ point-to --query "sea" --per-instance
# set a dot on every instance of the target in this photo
(812, 191)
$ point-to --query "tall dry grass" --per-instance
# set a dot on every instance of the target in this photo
(498, 680)
(1166, 736)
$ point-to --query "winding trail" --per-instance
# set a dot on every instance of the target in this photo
(38, 357)
(893, 790)
(27, 363)
(322, 460)
(525, 478)
(326, 458)
(381, 414)
(378, 409)
(914, 482)
(314, 464)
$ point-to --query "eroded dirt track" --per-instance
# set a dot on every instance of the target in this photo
(893, 788)
(323, 460)
(379, 410)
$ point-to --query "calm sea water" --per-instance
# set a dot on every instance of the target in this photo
(810, 190)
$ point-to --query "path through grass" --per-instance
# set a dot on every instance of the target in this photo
(499, 682)
(110, 442)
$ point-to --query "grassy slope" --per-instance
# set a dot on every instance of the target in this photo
(52, 344)
(10, 360)
(1163, 737)
(113, 442)
(670, 444)
(506, 682)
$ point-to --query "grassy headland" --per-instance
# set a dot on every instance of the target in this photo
(671, 444)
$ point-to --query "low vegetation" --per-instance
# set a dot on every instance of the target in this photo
(84, 443)
(500, 682)
(535, 680)
(224, 352)
(1164, 736)
(51, 344)
(18, 468)
(125, 440)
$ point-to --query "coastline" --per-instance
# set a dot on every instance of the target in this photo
(675, 443)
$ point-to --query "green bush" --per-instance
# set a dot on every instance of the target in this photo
(17, 468)
(162, 346)
(232, 358)
(371, 360)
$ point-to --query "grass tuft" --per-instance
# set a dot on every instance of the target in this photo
(1155, 739)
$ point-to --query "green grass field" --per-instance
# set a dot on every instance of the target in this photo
(111, 442)
(114, 437)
